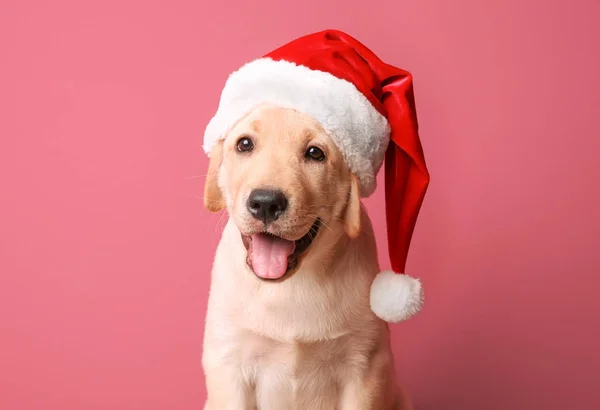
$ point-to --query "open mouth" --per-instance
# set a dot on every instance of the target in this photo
(271, 257)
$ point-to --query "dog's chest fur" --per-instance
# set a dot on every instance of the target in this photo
(299, 375)
(310, 342)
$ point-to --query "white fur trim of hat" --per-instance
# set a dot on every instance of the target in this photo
(358, 129)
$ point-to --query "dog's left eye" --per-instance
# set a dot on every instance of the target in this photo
(315, 153)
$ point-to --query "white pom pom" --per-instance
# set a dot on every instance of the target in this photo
(396, 297)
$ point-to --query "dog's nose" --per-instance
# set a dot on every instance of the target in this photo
(266, 204)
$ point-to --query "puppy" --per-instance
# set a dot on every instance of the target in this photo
(289, 325)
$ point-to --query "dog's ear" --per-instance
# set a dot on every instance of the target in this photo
(352, 214)
(213, 196)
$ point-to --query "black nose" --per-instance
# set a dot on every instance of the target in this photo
(266, 204)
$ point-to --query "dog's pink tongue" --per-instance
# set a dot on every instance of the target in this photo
(270, 255)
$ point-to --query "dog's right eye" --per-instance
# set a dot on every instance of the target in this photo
(245, 144)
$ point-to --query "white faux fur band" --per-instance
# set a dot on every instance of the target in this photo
(360, 131)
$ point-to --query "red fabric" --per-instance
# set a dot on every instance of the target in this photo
(390, 90)
(336, 53)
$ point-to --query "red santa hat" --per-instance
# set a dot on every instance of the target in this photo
(367, 107)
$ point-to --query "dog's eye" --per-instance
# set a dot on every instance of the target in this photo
(315, 153)
(245, 144)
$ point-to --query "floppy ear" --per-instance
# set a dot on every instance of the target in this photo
(352, 215)
(213, 197)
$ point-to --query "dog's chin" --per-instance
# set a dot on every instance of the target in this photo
(274, 258)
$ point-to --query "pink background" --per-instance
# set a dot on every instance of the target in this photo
(105, 248)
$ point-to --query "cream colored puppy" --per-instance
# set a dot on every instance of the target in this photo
(289, 325)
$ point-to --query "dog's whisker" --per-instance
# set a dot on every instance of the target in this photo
(326, 226)
(195, 176)
(221, 222)
(321, 206)
(314, 216)
(202, 198)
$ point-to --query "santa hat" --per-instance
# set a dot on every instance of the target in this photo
(367, 107)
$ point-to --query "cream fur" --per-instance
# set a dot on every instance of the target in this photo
(358, 129)
(312, 340)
